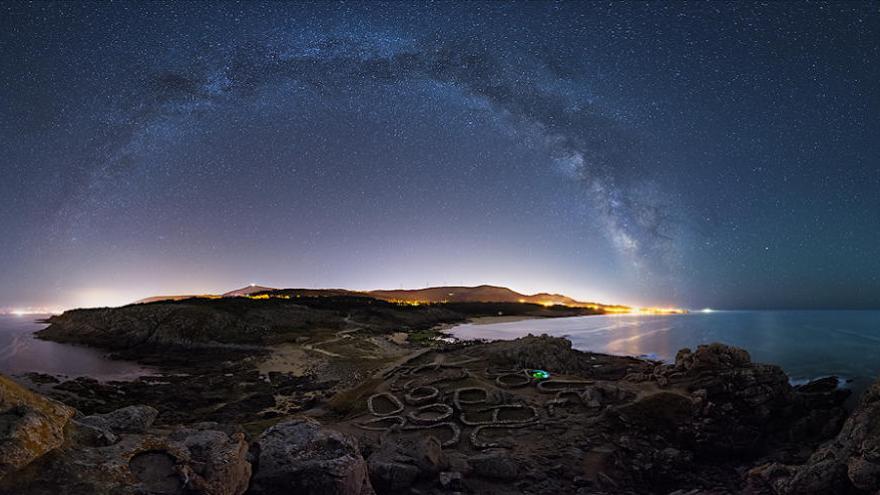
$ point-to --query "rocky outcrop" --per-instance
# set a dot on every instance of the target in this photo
(298, 456)
(398, 463)
(30, 426)
(731, 403)
(182, 463)
(46, 450)
(468, 418)
(188, 324)
(494, 464)
(131, 419)
(557, 354)
(185, 462)
(850, 463)
(139, 329)
(155, 326)
(716, 405)
(219, 461)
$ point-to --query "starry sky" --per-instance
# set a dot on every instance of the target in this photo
(695, 154)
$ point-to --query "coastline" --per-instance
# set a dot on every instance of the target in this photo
(442, 331)
(621, 417)
(489, 320)
(623, 414)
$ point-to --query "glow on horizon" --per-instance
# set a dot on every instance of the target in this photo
(33, 311)
(107, 296)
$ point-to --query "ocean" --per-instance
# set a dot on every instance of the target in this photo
(806, 344)
(21, 352)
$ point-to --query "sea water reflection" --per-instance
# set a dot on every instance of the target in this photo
(21, 352)
(807, 344)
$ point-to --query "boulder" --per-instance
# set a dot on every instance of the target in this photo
(452, 481)
(30, 426)
(822, 385)
(850, 463)
(711, 357)
(300, 457)
(495, 464)
(131, 419)
(218, 462)
(397, 463)
(187, 462)
(735, 402)
(537, 352)
(392, 477)
(822, 394)
(556, 355)
(660, 412)
(92, 436)
(458, 462)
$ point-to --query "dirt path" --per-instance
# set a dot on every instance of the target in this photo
(338, 336)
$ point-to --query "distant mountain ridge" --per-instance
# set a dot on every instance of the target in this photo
(443, 294)
(244, 291)
(180, 297)
(247, 291)
(481, 293)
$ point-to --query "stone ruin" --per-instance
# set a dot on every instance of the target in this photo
(466, 399)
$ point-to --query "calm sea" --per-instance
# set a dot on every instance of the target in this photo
(807, 344)
(20, 353)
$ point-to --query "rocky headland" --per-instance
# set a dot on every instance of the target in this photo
(346, 396)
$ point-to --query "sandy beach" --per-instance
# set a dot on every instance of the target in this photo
(488, 320)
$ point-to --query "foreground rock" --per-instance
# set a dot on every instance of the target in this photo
(298, 456)
(398, 463)
(219, 464)
(131, 419)
(465, 418)
(44, 450)
(732, 403)
(186, 462)
(30, 426)
(850, 463)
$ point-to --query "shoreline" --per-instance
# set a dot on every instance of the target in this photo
(347, 368)
(489, 320)
(622, 416)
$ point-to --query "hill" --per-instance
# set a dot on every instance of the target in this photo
(482, 293)
(428, 295)
(247, 291)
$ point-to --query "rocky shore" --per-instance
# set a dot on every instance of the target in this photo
(357, 407)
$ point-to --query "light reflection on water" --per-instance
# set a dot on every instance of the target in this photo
(807, 344)
(21, 353)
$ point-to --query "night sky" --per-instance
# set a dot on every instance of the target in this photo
(695, 154)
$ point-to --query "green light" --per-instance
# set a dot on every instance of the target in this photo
(540, 374)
